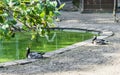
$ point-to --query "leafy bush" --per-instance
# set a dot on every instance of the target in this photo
(36, 16)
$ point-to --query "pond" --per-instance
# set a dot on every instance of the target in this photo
(15, 48)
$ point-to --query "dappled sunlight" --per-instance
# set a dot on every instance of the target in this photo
(115, 56)
(8, 74)
(103, 20)
(112, 54)
(73, 21)
(67, 73)
(88, 59)
(5, 59)
(90, 44)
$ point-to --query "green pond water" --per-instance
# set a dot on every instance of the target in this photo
(15, 48)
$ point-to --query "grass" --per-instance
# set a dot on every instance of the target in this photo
(15, 48)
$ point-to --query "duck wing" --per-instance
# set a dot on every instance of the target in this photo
(100, 41)
(35, 55)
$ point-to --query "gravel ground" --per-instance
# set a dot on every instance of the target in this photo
(83, 60)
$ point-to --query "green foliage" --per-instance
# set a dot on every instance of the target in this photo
(34, 15)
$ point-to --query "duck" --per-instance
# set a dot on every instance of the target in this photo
(95, 40)
(33, 55)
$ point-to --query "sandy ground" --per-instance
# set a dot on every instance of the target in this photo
(85, 60)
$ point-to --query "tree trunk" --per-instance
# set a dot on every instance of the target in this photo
(114, 11)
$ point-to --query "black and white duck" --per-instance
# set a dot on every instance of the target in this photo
(33, 55)
(95, 40)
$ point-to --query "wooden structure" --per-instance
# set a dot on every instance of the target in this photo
(96, 5)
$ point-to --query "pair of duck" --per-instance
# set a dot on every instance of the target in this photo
(36, 55)
(97, 41)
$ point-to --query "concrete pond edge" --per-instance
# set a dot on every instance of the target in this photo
(103, 34)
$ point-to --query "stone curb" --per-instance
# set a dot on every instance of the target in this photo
(17, 62)
(103, 34)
